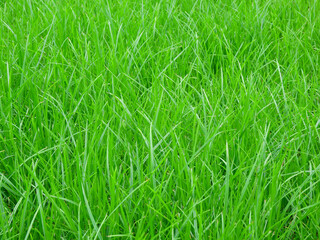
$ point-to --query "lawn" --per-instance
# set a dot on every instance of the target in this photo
(169, 119)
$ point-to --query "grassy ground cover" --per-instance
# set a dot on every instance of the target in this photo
(169, 119)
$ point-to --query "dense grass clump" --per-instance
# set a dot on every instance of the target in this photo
(170, 119)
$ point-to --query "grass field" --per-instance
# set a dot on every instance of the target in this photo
(169, 119)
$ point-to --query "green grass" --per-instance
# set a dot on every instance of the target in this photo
(170, 119)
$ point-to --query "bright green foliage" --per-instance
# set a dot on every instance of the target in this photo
(169, 119)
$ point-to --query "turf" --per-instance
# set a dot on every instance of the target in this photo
(170, 119)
